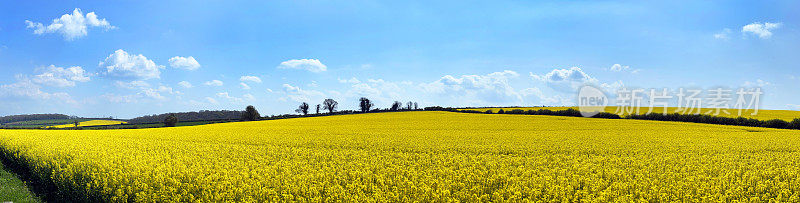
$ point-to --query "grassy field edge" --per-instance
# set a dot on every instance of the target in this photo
(13, 188)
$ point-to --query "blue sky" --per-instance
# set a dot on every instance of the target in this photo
(126, 59)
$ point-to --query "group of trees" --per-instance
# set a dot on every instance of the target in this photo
(31, 117)
(703, 118)
(190, 116)
(365, 105)
(693, 118)
(396, 106)
(249, 114)
(329, 104)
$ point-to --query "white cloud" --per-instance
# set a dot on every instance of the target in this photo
(124, 65)
(214, 83)
(763, 31)
(312, 65)
(136, 84)
(120, 98)
(534, 94)
(757, 83)
(351, 80)
(477, 90)
(244, 86)
(185, 84)
(186, 63)
(155, 93)
(249, 78)
(211, 100)
(246, 97)
(618, 68)
(724, 34)
(25, 88)
(300, 95)
(566, 80)
(621, 68)
(613, 87)
(144, 91)
(61, 77)
(70, 26)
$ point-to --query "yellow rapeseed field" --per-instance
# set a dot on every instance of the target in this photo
(90, 123)
(762, 114)
(419, 156)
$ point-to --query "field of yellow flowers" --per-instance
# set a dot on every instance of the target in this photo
(418, 156)
(90, 123)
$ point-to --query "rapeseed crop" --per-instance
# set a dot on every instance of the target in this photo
(418, 156)
(90, 123)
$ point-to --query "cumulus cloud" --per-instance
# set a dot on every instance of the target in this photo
(249, 78)
(61, 77)
(490, 89)
(724, 34)
(120, 98)
(226, 96)
(185, 84)
(566, 80)
(248, 97)
(216, 83)
(144, 90)
(71, 26)
(351, 80)
(136, 84)
(757, 83)
(244, 86)
(186, 63)
(156, 93)
(762, 30)
(25, 88)
(312, 65)
(618, 68)
(621, 68)
(297, 94)
(123, 65)
(211, 100)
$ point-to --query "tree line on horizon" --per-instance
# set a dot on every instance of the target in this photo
(251, 114)
(32, 117)
(365, 105)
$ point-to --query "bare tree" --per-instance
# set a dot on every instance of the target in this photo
(317, 108)
(396, 106)
(409, 105)
(303, 108)
(330, 105)
(365, 104)
(415, 106)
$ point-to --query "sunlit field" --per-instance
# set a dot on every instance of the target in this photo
(418, 156)
(762, 114)
(90, 123)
